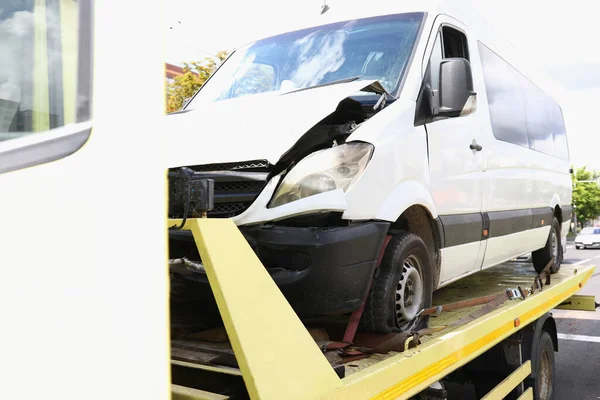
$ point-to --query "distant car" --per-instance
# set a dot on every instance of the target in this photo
(588, 237)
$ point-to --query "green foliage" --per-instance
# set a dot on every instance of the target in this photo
(193, 77)
(586, 195)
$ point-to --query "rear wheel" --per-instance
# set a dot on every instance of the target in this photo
(553, 248)
(402, 288)
(543, 384)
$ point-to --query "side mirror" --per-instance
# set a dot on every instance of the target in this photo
(456, 88)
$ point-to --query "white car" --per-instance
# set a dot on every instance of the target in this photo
(403, 132)
(588, 238)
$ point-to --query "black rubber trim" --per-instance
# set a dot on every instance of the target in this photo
(461, 228)
(485, 231)
(504, 223)
(441, 235)
(541, 217)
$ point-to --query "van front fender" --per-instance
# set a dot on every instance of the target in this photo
(405, 195)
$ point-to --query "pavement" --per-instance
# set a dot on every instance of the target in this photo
(578, 357)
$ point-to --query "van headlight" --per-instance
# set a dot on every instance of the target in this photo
(322, 171)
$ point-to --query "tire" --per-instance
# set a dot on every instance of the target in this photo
(542, 256)
(543, 384)
(405, 264)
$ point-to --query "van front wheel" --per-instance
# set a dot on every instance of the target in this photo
(553, 248)
(402, 289)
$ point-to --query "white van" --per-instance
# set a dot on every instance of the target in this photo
(377, 156)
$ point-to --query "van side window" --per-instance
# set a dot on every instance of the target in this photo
(505, 99)
(455, 43)
(520, 112)
(449, 43)
(44, 77)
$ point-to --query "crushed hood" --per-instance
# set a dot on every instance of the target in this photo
(257, 127)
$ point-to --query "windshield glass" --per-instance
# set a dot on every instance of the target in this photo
(372, 48)
(590, 231)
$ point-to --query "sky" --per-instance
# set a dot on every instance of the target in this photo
(560, 39)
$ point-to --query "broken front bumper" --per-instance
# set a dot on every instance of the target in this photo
(319, 270)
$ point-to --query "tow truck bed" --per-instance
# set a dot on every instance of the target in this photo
(265, 351)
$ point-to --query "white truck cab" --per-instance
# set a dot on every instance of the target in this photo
(376, 156)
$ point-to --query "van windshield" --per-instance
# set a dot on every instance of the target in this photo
(371, 48)
(590, 231)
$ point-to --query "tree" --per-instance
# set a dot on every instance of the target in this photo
(586, 195)
(194, 75)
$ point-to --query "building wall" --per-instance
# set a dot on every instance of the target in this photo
(172, 71)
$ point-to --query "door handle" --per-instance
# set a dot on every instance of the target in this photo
(475, 146)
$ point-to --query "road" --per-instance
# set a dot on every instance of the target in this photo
(578, 357)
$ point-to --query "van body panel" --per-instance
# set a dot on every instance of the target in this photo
(385, 196)
(453, 261)
(265, 125)
(521, 242)
(398, 201)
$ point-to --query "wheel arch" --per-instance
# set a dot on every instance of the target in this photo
(406, 194)
(407, 207)
(558, 213)
(418, 220)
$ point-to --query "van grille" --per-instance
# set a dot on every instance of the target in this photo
(237, 185)
(255, 165)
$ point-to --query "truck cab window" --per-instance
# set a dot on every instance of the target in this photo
(38, 67)
(45, 80)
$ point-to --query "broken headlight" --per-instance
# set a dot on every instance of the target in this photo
(322, 171)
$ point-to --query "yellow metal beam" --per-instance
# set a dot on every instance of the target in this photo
(527, 395)
(69, 24)
(276, 354)
(41, 99)
(187, 393)
(579, 302)
(511, 382)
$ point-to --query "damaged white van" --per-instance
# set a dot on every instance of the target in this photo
(375, 157)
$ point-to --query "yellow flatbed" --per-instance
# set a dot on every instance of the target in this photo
(266, 352)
